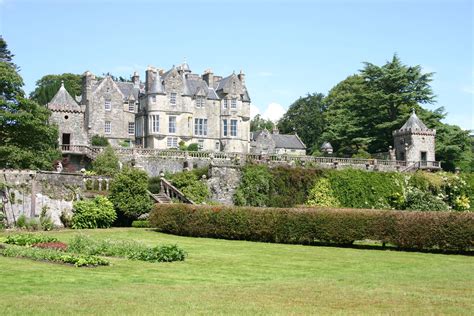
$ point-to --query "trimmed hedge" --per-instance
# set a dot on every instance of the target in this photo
(406, 230)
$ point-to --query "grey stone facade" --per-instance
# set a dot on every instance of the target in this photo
(181, 107)
(414, 142)
(263, 142)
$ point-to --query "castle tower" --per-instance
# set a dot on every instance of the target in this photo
(414, 141)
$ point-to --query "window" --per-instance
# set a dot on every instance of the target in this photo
(172, 124)
(107, 127)
(233, 103)
(172, 142)
(154, 123)
(225, 127)
(153, 99)
(131, 106)
(108, 104)
(200, 102)
(218, 146)
(233, 127)
(131, 128)
(200, 127)
(226, 103)
(200, 144)
(173, 98)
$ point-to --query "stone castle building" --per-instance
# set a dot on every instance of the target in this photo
(414, 141)
(171, 108)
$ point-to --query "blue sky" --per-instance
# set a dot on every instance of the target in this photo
(286, 48)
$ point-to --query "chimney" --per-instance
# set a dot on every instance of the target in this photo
(208, 77)
(136, 80)
(241, 77)
(275, 130)
(150, 77)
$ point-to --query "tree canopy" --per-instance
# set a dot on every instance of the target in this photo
(27, 141)
(48, 85)
(258, 123)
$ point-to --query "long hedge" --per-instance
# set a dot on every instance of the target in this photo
(403, 229)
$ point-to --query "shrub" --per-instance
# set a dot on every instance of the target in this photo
(52, 256)
(99, 141)
(46, 222)
(254, 186)
(189, 183)
(423, 201)
(166, 253)
(106, 163)
(66, 219)
(28, 239)
(322, 195)
(96, 213)
(128, 193)
(141, 224)
(193, 147)
(21, 221)
(154, 185)
(416, 230)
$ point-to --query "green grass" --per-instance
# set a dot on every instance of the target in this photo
(239, 277)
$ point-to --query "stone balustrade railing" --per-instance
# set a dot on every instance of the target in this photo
(240, 158)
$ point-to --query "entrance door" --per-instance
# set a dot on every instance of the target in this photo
(66, 141)
(423, 158)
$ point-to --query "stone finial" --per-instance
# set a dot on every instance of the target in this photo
(62, 83)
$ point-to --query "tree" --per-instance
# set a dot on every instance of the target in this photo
(106, 163)
(305, 117)
(48, 85)
(258, 123)
(5, 55)
(128, 193)
(27, 141)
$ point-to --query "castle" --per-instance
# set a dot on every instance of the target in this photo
(169, 109)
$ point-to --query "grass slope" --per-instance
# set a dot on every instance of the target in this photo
(238, 277)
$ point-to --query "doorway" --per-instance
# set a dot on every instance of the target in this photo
(66, 141)
(423, 158)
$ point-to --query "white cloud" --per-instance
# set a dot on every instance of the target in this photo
(254, 110)
(274, 112)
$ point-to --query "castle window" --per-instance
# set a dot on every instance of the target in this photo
(108, 104)
(108, 127)
(233, 104)
(154, 123)
(131, 128)
(173, 98)
(131, 106)
(224, 127)
(218, 146)
(172, 125)
(172, 142)
(233, 128)
(200, 102)
(226, 103)
(200, 127)
(201, 144)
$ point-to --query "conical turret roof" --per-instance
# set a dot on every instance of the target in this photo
(63, 101)
(414, 123)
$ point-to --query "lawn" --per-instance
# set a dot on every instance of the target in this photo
(239, 277)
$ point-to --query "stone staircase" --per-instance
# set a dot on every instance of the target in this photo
(161, 198)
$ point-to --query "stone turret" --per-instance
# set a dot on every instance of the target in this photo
(414, 141)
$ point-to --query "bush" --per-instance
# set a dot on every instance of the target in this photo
(128, 193)
(52, 256)
(254, 186)
(85, 245)
(193, 147)
(413, 230)
(21, 221)
(322, 195)
(28, 239)
(99, 141)
(423, 201)
(154, 185)
(45, 220)
(189, 183)
(106, 163)
(96, 213)
(141, 224)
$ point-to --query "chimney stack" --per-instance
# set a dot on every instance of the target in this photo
(136, 80)
(241, 77)
(208, 77)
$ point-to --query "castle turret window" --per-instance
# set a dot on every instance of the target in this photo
(108, 104)
(172, 124)
(233, 103)
(173, 98)
(200, 127)
(233, 128)
(107, 127)
(154, 123)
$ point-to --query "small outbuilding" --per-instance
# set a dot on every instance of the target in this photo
(265, 142)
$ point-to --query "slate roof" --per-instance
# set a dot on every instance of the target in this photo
(414, 123)
(62, 101)
(326, 145)
(288, 141)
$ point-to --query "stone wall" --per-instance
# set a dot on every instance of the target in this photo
(222, 183)
(28, 192)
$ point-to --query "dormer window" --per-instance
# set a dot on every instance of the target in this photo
(200, 101)
(233, 103)
(173, 98)
(108, 104)
(131, 106)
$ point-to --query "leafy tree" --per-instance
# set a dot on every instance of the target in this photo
(305, 117)
(258, 123)
(128, 193)
(48, 85)
(99, 141)
(5, 55)
(106, 163)
(27, 141)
